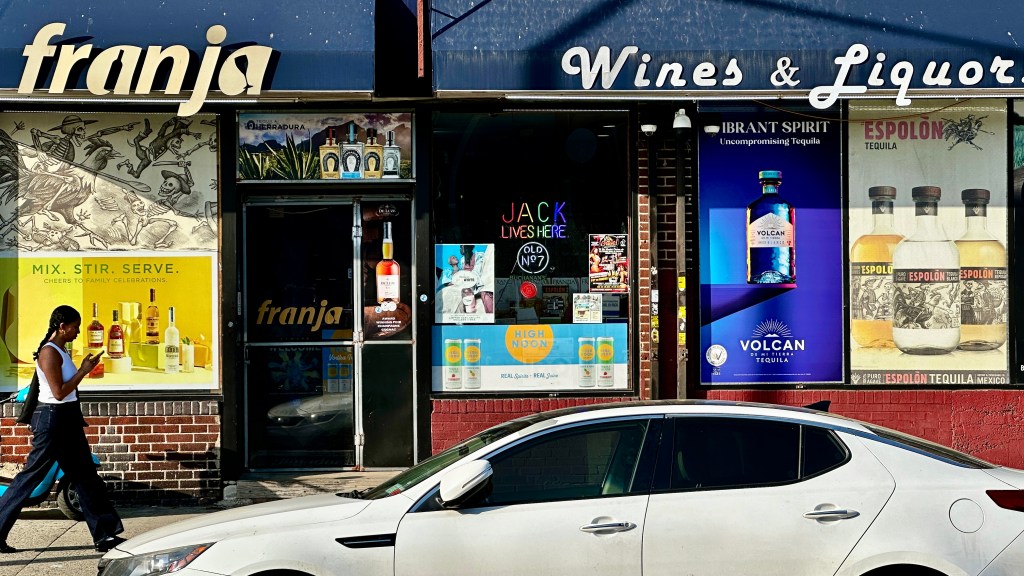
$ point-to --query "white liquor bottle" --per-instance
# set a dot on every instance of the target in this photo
(926, 283)
(392, 156)
(172, 345)
(983, 288)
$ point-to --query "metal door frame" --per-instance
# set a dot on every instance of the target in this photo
(357, 342)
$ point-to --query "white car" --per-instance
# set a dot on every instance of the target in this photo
(631, 489)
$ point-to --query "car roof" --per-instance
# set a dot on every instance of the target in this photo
(683, 407)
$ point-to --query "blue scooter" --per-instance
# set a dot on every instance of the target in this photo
(67, 495)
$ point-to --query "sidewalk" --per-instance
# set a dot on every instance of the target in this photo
(51, 544)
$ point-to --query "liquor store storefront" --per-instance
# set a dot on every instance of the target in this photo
(822, 213)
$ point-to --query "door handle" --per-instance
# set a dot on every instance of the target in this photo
(607, 527)
(834, 514)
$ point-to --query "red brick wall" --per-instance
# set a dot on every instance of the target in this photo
(988, 424)
(152, 452)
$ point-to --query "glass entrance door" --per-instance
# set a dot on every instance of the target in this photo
(329, 337)
(299, 263)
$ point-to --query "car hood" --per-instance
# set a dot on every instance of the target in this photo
(245, 520)
(1011, 476)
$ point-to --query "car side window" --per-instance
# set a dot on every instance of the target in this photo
(588, 461)
(711, 453)
(821, 451)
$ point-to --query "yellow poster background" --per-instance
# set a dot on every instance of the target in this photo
(30, 288)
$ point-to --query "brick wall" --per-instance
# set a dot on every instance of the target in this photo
(150, 452)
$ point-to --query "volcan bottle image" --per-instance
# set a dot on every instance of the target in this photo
(871, 291)
(983, 273)
(771, 234)
(926, 283)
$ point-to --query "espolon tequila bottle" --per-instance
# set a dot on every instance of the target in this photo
(871, 290)
(771, 234)
(926, 283)
(983, 289)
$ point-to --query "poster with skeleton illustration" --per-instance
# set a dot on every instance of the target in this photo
(115, 213)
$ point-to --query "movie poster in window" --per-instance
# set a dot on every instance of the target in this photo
(608, 262)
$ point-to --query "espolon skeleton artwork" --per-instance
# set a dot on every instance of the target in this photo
(964, 130)
(63, 188)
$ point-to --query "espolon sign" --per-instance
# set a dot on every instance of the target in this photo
(135, 78)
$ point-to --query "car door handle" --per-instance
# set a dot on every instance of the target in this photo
(834, 514)
(608, 527)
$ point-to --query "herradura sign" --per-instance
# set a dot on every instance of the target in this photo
(123, 50)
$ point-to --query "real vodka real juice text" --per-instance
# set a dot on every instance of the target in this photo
(771, 234)
(871, 291)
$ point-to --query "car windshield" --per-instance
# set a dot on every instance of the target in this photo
(930, 448)
(438, 462)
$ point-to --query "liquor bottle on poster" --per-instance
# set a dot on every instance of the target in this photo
(392, 156)
(115, 339)
(372, 154)
(352, 155)
(388, 271)
(871, 291)
(330, 158)
(926, 283)
(983, 278)
(172, 345)
(152, 319)
(771, 234)
(94, 336)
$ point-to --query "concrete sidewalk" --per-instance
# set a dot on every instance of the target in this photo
(53, 545)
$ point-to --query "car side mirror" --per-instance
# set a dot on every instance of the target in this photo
(462, 482)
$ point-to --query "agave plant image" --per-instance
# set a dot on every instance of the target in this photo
(292, 163)
(254, 165)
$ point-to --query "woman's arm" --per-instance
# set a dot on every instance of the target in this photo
(50, 361)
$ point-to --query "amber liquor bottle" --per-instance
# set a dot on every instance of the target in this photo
(983, 278)
(388, 271)
(152, 319)
(94, 335)
(372, 154)
(871, 291)
(115, 339)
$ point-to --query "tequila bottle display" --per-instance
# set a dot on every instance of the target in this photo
(871, 291)
(372, 154)
(388, 271)
(392, 156)
(152, 319)
(330, 158)
(352, 155)
(983, 288)
(94, 336)
(172, 345)
(771, 234)
(926, 283)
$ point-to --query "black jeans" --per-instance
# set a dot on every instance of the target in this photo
(59, 434)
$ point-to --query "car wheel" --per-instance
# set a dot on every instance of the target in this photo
(904, 570)
(69, 503)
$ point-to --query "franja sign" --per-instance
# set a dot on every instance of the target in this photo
(137, 73)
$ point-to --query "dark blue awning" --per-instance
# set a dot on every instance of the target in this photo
(320, 45)
(758, 45)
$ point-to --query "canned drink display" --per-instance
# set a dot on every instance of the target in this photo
(605, 361)
(471, 363)
(587, 354)
(452, 353)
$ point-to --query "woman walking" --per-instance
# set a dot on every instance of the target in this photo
(58, 430)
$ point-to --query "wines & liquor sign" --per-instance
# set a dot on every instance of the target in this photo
(771, 249)
(116, 213)
(928, 231)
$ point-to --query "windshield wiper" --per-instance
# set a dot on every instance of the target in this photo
(357, 494)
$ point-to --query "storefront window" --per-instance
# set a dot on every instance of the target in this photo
(531, 251)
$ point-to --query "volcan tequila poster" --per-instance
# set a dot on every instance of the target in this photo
(771, 248)
(928, 230)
